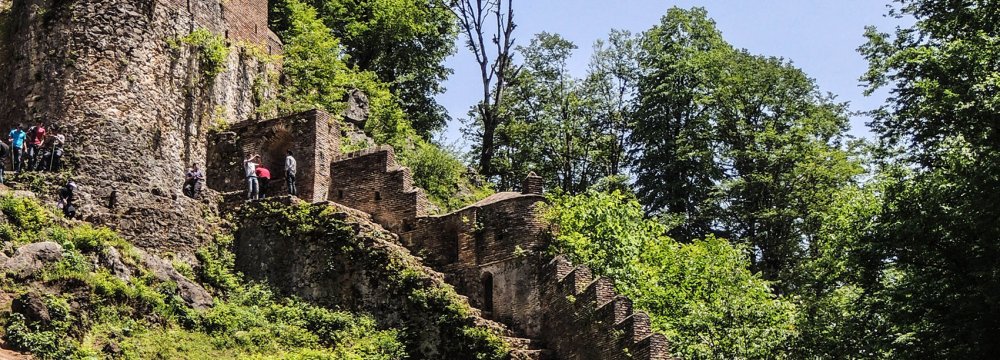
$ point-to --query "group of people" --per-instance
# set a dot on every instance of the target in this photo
(34, 149)
(258, 177)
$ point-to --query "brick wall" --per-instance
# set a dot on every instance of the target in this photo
(583, 318)
(247, 21)
(312, 136)
(372, 181)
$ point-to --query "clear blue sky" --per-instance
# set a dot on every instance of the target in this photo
(818, 36)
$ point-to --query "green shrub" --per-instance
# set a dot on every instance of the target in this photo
(213, 51)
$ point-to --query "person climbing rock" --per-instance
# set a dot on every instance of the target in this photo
(16, 138)
(290, 174)
(193, 180)
(4, 150)
(36, 137)
(67, 197)
(263, 177)
(250, 170)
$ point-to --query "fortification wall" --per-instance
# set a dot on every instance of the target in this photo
(372, 181)
(312, 136)
(583, 318)
(135, 108)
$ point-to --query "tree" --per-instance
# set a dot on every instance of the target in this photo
(494, 52)
(403, 42)
(699, 294)
(610, 87)
(936, 242)
(737, 145)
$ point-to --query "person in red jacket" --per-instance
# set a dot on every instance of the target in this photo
(264, 177)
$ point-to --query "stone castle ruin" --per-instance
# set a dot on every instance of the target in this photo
(494, 251)
(138, 110)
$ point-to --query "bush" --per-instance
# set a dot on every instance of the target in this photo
(213, 51)
(700, 295)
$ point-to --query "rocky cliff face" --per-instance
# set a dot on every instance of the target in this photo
(134, 102)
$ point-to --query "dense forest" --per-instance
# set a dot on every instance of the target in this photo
(717, 187)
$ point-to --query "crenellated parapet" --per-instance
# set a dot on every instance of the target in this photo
(372, 181)
(587, 318)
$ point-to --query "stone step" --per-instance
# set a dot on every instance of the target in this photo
(532, 355)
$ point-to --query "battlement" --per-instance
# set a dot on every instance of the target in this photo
(372, 181)
(587, 317)
(247, 21)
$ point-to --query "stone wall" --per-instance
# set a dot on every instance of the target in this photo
(312, 136)
(372, 181)
(583, 318)
(136, 109)
(343, 260)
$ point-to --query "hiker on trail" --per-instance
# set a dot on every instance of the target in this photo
(36, 137)
(16, 138)
(264, 177)
(290, 174)
(66, 199)
(193, 180)
(250, 170)
(4, 150)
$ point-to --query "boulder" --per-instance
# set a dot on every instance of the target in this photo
(31, 258)
(112, 260)
(193, 294)
(32, 306)
(358, 108)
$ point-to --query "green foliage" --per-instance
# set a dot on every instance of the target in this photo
(700, 294)
(734, 144)
(932, 258)
(213, 52)
(423, 305)
(402, 42)
(147, 318)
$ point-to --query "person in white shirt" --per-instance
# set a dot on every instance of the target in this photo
(250, 170)
(290, 166)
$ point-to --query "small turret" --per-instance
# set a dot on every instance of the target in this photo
(532, 184)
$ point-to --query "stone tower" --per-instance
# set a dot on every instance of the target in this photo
(133, 101)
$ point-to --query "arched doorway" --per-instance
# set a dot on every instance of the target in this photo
(487, 282)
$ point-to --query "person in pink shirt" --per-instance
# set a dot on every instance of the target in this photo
(36, 137)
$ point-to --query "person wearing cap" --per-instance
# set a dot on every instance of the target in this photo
(193, 181)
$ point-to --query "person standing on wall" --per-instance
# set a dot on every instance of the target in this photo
(264, 177)
(250, 170)
(290, 174)
(36, 137)
(16, 138)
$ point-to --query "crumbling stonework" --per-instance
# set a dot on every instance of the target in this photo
(134, 103)
(312, 136)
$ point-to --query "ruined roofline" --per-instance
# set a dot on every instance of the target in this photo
(251, 122)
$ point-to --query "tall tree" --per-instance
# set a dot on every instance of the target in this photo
(937, 240)
(404, 42)
(610, 86)
(737, 145)
(489, 30)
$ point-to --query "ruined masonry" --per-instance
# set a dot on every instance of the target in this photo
(493, 252)
(137, 109)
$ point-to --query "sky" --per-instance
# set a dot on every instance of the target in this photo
(819, 36)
